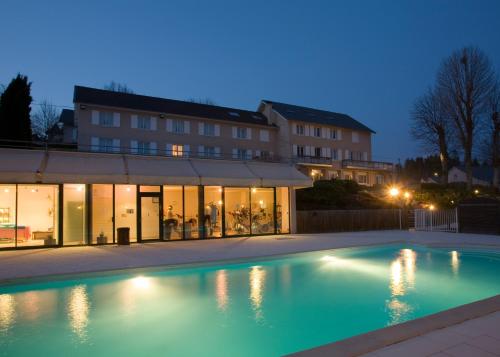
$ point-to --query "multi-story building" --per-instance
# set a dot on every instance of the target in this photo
(326, 145)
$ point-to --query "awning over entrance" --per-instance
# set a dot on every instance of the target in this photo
(39, 166)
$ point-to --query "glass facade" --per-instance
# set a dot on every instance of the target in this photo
(212, 219)
(262, 210)
(74, 215)
(173, 212)
(37, 215)
(31, 215)
(126, 209)
(102, 214)
(237, 207)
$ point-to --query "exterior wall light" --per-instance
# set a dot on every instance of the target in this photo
(394, 191)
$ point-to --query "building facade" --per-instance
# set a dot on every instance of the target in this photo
(326, 145)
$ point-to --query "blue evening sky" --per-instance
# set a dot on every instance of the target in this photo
(369, 59)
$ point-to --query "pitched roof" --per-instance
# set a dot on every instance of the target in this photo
(67, 117)
(483, 173)
(168, 106)
(295, 112)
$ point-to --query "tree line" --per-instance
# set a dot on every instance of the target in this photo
(460, 113)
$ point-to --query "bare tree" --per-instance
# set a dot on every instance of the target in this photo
(465, 80)
(44, 119)
(493, 142)
(118, 87)
(431, 126)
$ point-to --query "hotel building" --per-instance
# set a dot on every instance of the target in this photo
(166, 170)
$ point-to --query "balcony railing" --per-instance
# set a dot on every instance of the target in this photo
(368, 165)
(318, 160)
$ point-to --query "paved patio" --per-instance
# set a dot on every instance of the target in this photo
(61, 261)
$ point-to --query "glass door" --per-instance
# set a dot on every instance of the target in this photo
(150, 217)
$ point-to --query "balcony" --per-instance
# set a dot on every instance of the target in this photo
(367, 165)
(312, 160)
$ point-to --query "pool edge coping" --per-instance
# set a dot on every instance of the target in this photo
(23, 280)
(377, 339)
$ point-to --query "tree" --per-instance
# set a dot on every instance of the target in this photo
(494, 127)
(44, 119)
(15, 110)
(465, 80)
(118, 87)
(431, 126)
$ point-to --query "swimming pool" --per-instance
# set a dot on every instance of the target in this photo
(264, 308)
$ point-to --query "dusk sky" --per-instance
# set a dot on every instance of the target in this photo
(368, 59)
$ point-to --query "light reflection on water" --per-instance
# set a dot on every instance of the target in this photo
(221, 289)
(455, 262)
(7, 311)
(78, 311)
(402, 279)
(257, 284)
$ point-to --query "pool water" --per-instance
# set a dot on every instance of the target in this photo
(264, 308)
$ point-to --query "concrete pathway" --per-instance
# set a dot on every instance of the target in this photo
(478, 337)
(70, 260)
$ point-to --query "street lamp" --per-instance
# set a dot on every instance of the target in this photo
(432, 207)
(394, 192)
(407, 195)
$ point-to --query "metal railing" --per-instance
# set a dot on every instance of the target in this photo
(436, 220)
(370, 165)
(312, 160)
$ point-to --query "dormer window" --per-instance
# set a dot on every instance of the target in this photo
(234, 114)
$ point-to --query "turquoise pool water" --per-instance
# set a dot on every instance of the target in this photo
(263, 308)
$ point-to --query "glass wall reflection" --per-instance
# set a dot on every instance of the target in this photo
(257, 285)
(78, 311)
(102, 214)
(74, 214)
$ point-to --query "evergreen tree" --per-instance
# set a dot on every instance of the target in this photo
(15, 110)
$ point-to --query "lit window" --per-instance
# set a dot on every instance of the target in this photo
(106, 118)
(177, 150)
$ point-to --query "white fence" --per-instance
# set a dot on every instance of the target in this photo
(436, 221)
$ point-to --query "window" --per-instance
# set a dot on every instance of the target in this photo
(300, 129)
(379, 179)
(237, 203)
(234, 114)
(355, 137)
(335, 155)
(105, 145)
(300, 151)
(363, 179)
(241, 133)
(74, 214)
(241, 154)
(262, 210)
(210, 151)
(212, 220)
(37, 215)
(106, 119)
(209, 129)
(178, 126)
(173, 212)
(191, 219)
(144, 122)
(125, 209)
(264, 135)
(143, 148)
(177, 150)
(317, 152)
(333, 134)
(282, 210)
(8, 216)
(102, 214)
(264, 154)
(317, 132)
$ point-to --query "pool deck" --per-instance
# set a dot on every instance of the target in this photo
(470, 332)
